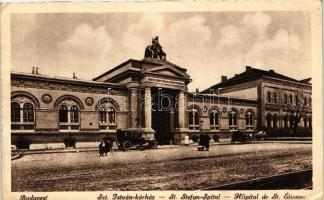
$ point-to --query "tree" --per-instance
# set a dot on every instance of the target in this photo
(297, 105)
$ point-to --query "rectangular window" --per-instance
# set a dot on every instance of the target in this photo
(193, 120)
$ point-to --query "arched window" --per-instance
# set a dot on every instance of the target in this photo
(102, 117)
(269, 121)
(74, 114)
(290, 99)
(69, 115)
(107, 117)
(291, 121)
(15, 112)
(305, 101)
(22, 113)
(295, 99)
(286, 121)
(274, 97)
(63, 113)
(285, 99)
(275, 121)
(310, 101)
(214, 120)
(310, 122)
(112, 115)
(232, 120)
(28, 112)
(249, 120)
(269, 97)
(193, 116)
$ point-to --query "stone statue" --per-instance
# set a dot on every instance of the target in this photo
(155, 50)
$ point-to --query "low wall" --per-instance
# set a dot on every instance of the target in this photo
(36, 141)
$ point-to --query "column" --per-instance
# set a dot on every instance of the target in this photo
(133, 108)
(148, 108)
(306, 123)
(181, 110)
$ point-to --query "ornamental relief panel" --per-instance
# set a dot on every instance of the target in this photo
(47, 98)
(22, 100)
(69, 103)
(89, 101)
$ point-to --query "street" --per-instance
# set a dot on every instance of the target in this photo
(179, 168)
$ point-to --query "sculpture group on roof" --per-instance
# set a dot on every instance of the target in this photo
(155, 50)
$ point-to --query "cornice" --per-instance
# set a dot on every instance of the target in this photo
(62, 80)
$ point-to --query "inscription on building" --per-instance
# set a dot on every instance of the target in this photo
(165, 81)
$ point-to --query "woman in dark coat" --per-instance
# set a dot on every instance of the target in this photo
(108, 146)
(201, 140)
(206, 140)
(102, 147)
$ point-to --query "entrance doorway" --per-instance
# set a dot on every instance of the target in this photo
(161, 123)
(163, 114)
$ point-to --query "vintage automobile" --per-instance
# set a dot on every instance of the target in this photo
(241, 137)
(261, 135)
(126, 139)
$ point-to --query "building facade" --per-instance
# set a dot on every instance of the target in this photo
(284, 103)
(149, 96)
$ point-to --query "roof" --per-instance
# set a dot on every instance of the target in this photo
(252, 74)
(163, 62)
(62, 79)
(153, 61)
(115, 68)
(306, 80)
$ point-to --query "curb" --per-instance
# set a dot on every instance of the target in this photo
(16, 156)
(161, 147)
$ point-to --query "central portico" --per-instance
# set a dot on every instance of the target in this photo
(157, 92)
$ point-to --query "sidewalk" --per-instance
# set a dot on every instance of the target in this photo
(115, 149)
(72, 150)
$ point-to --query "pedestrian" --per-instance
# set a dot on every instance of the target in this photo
(207, 139)
(201, 142)
(107, 146)
(101, 148)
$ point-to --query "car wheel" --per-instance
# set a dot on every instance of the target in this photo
(127, 145)
(154, 144)
(120, 147)
(141, 141)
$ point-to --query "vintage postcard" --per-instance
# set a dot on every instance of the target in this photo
(186, 100)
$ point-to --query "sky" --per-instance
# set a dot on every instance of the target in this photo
(208, 44)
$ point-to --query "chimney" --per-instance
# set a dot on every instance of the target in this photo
(224, 78)
(33, 71)
(36, 70)
(74, 76)
(248, 68)
(271, 71)
(197, 90)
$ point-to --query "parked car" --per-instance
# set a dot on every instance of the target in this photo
(241, 137)
(126, 139)
(261, 135)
